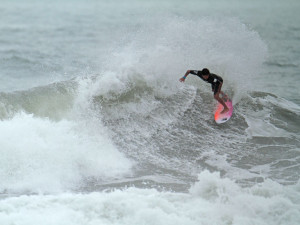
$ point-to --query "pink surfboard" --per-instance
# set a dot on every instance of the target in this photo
(222, 118)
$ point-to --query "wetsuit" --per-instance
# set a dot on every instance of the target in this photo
(213, 79)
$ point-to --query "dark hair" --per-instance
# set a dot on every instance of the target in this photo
(205, 71)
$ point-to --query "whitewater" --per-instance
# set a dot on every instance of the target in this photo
(95, 127)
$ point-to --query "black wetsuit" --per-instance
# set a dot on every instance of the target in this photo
(213, 79)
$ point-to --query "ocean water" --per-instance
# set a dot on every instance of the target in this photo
(95, 127)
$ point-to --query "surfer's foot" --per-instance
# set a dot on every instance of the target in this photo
(225, 110)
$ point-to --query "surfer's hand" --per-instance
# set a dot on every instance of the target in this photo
(182, 79)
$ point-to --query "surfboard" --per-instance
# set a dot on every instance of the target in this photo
(222, 118)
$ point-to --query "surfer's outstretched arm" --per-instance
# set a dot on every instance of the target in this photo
(182, 79)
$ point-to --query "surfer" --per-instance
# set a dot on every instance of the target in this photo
(215, 81)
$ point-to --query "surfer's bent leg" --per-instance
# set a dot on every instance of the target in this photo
(217, 91)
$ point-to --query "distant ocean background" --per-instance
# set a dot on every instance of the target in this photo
(95, 127)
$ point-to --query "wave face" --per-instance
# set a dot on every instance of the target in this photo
(136, 110)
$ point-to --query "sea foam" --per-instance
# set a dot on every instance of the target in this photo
(211, 200)
(40, 155)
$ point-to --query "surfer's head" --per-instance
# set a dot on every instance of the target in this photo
(205, 73)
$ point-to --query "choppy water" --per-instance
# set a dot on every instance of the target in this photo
(96, 128)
